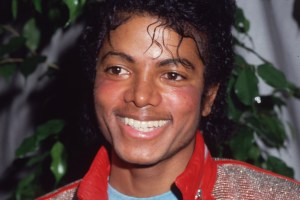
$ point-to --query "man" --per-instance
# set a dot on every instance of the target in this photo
(157, 68)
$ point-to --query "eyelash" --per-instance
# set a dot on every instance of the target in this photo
(119, 73)
(170, 76)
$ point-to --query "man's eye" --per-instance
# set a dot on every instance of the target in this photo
(173, 76)
(116, 70)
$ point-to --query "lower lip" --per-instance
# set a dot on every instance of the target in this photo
(142, 135)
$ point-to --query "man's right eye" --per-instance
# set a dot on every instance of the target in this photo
(116, 70)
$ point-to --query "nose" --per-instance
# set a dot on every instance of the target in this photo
(143, 92)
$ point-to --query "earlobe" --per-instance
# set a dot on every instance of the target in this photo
(209, 99)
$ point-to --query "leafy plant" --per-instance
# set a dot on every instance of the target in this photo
(31, 150)
(256, 116)
(25, 30)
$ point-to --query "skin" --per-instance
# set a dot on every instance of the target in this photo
(138, 79)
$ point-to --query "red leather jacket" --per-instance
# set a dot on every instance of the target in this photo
(204, 178)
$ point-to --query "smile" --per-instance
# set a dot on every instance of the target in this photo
(144, 126)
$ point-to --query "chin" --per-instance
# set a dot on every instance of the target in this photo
(140, 160)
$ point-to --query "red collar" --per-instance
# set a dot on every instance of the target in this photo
(199, 175)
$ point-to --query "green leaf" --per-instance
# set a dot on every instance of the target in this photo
(14, 8)
(246, 87)
(241, 24)
(58, 164)
(30, 64)
(51, 127)
(240, 61)
(36, 159)
(75, 7)
(278, 166)
(23, 184)
(254, 153)
(54, 15)
(272, 76)
(295, 91)
(269, 128)
(233, 112)
(13, 45)
(7, 70)
(32, 34)
(32, 144)
(37, 5)
(29, 145)
(241, 143)
(26, 181)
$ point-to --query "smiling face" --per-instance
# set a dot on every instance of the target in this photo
(148, 94)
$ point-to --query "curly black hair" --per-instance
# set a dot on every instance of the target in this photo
(209, 20)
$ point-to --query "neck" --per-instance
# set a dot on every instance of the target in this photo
(150, 180)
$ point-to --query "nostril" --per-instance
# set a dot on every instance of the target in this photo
(143, 94)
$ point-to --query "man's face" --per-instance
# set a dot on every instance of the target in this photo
(148, 102)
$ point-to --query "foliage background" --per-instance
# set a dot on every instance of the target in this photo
(49, 158)
(26, 33)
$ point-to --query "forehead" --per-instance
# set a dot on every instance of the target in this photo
(149, 36)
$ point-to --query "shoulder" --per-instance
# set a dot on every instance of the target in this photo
(240, 180)
(67, 192)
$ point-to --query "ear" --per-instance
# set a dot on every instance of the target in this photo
(209, 99)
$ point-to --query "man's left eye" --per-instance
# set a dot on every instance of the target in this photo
(116, 70)
(173, 76)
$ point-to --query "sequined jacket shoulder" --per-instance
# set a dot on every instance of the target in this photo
(67, 192)
(238, 180)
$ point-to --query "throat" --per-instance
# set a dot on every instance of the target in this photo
(138, 181)
(144, 180)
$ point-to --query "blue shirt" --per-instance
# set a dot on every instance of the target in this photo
(115, 195)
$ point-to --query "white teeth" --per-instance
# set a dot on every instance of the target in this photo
(144, 126)
(130, 122)
(151, 123)
(137, 124)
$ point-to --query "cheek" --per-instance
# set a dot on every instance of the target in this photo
(105, 99)
(105, 92)
(185, 99)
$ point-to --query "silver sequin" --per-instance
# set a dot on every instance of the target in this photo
(238, 182)
(199, 194)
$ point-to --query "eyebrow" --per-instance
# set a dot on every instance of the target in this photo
(184, 62)
(175, 61)
(124, 56)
